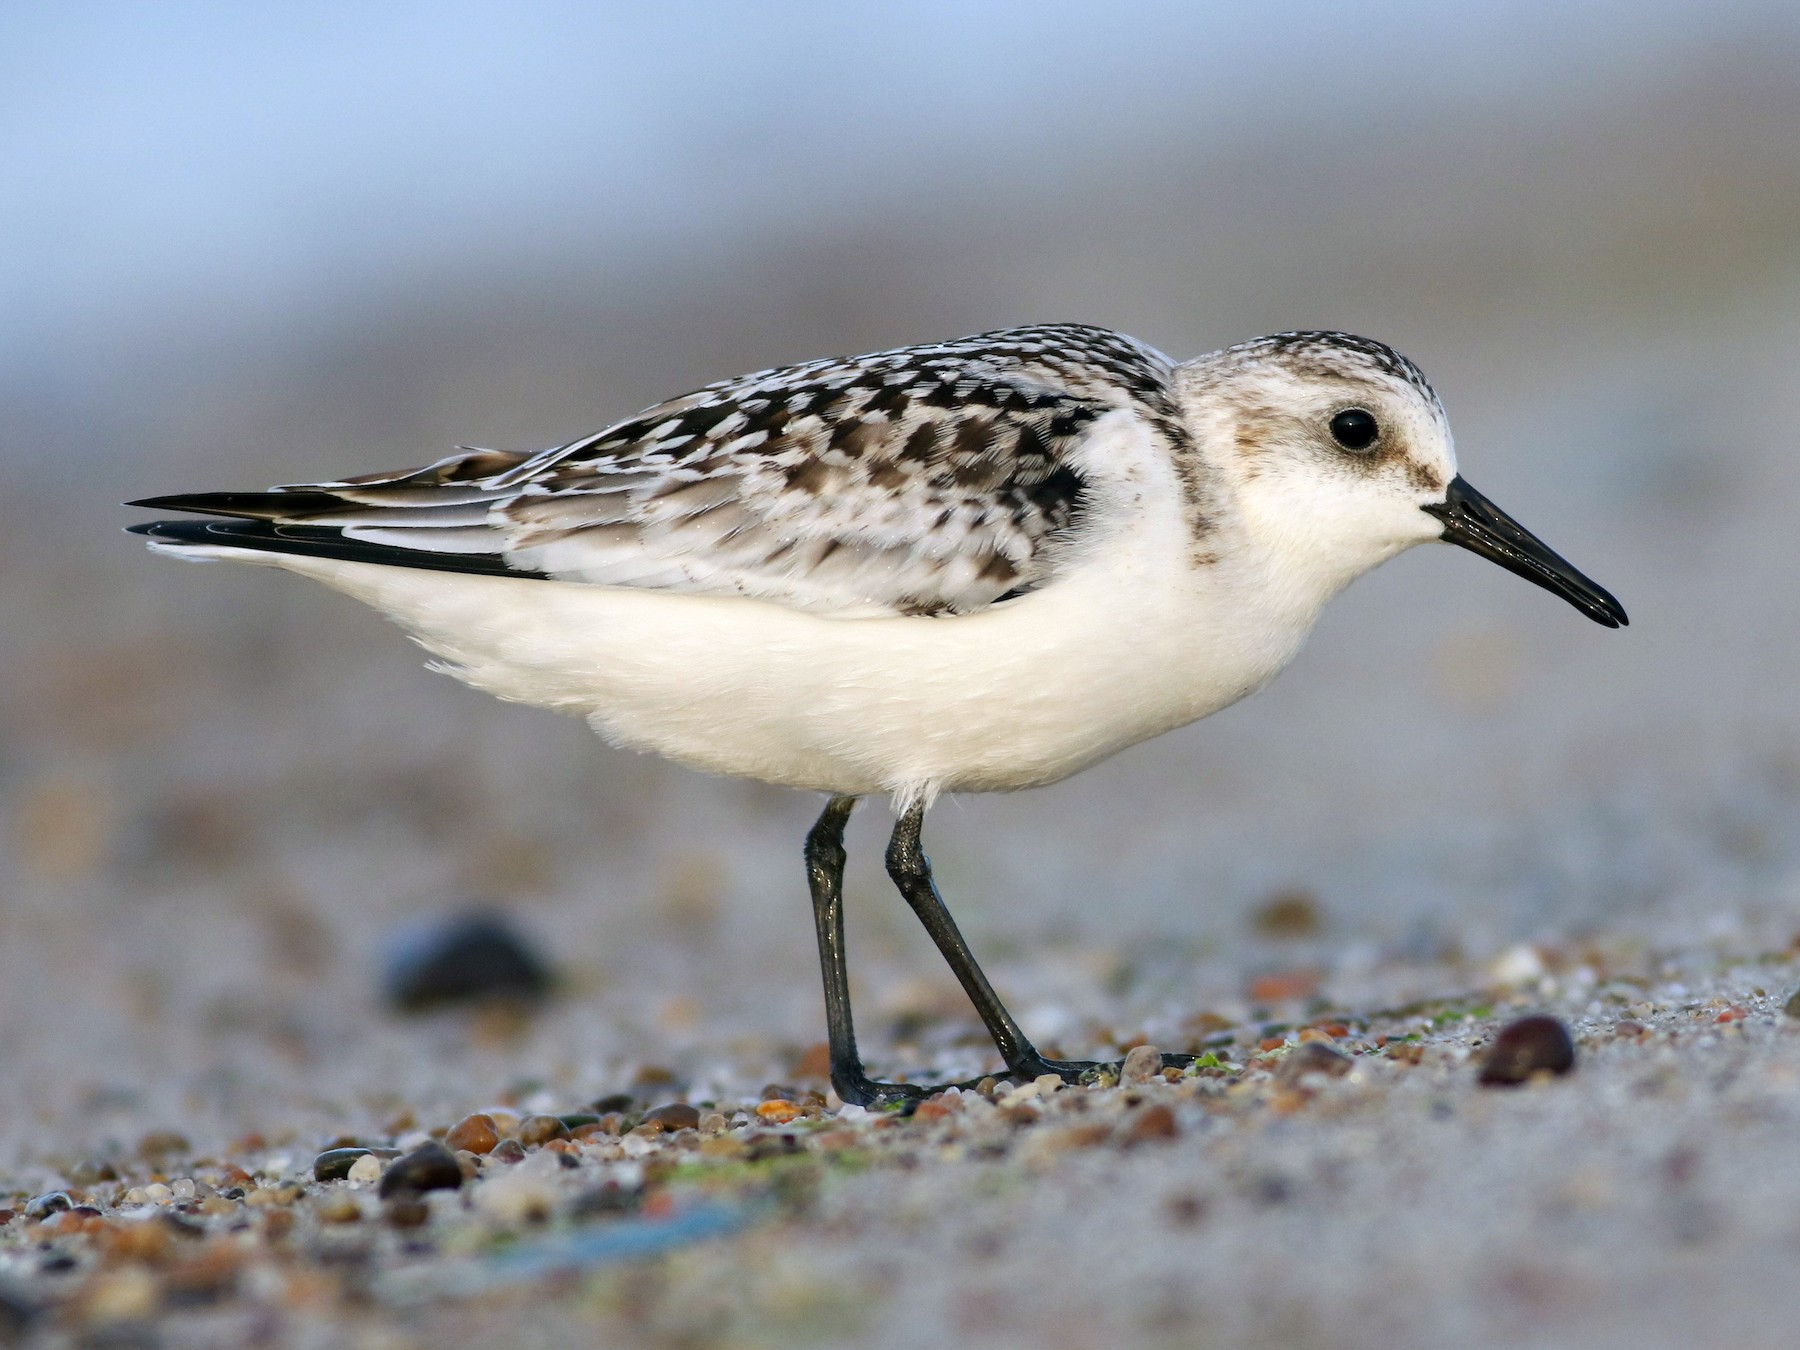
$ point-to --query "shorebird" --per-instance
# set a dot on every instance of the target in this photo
(969, 566)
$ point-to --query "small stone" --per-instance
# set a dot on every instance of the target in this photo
(1287, 915)
(365, 1171)
(1517, 965)
(1312, 1057)
(777, 1112)
(406, 1211)
(1142, 1063)
(334, 1164)
(1631, 1029)
(473, 1134)
(675, 1116)
(1150, 1125)
(162, 1143)
(430, 1167)
(711, 1123)
(41, 1207)
(612, 1103)
(158, 1194)
(469, 959)
(1529, 1046)
(339, 1207)
(1792, 1006)
(92, 1171)
(508, 1151)
(541, 1129)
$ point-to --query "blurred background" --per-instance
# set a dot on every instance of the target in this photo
(249, 245)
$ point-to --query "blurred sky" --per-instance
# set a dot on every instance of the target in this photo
(227, 165)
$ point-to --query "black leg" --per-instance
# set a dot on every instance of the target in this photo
(911, 871)
(825, 877)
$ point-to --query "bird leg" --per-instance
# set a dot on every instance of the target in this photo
(911, 872)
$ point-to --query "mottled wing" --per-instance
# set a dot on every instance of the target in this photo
(933, 479)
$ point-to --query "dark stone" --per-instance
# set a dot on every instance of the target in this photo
(508, 1151)
(1792, 1006)
(334, 1164)
(674, 1116)
(574, 1120)
(1525, 1047)
(612, 1102)
(50, 1202)
(429, 1167)
(471, 959)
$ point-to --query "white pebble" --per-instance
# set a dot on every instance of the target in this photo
(365, 1171)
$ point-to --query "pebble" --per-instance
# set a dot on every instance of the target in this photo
(473, 1134)
(406, 1211)
(1529, 1046)
(430, 1167)
(1287, 915)
(777, 1112)
(161, 1143)
(1152, 1124)
(541, 1129)
(1312, 1057)
(508, 1150)
(468, 959)
(41, 1207)
(675, 1116)
(365, 1171)
(339, 1207)
(1142, 1063)
(1792, 1006)
(334, 1164)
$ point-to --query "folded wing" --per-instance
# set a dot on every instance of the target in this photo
(934, 479)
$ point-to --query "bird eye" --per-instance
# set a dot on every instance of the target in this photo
(1355, 429)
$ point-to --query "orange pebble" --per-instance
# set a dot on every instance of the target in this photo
(476, 1134)
(778, 1112)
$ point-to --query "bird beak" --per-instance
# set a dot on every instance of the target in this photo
(1476, 524)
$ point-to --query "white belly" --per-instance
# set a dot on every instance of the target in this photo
(1023, 693)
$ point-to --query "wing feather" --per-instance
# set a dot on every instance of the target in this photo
(933, 479)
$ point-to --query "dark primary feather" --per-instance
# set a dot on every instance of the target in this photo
(929, 479)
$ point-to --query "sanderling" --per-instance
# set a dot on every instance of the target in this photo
(969, 566)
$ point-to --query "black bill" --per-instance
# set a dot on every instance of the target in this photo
(1474, 522)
